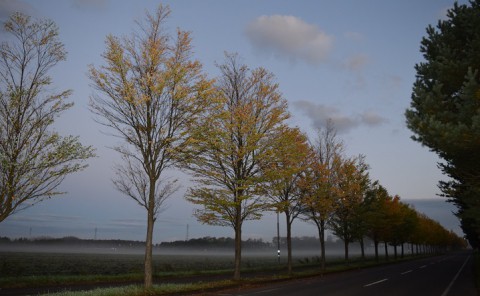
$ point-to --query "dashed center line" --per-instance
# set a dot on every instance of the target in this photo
(405, 272)
(374, 283)
(423, 266)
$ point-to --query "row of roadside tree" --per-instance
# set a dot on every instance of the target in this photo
(335, 192)
(229, 133)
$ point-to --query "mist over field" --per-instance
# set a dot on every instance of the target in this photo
(307, 247)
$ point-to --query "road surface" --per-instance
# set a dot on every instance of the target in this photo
(447, 275)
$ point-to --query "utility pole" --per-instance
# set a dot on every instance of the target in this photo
(278, 236)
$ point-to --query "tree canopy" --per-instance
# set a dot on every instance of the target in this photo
(444, 112)
(34, 159)
(234, 141)
(150, 92)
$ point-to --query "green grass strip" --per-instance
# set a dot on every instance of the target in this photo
(137, 290)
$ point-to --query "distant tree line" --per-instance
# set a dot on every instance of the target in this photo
(216, 243)
(202, 243)
(72, 241)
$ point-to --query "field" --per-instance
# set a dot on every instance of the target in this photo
(19, 264)
(57, 270)
(53, 267)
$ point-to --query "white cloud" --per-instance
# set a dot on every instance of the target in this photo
(320, 114)
(291, 37)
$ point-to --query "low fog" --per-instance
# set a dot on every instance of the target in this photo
(208, 247)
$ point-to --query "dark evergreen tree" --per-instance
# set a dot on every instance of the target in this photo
(445, 108)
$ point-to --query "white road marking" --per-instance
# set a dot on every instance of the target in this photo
(405, 272)
(423, 266)
(455, 277)
(264, 291)
(374, 283)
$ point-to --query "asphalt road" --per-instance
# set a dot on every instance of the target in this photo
(448, 275)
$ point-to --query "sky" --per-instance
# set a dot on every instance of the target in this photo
(349, 61)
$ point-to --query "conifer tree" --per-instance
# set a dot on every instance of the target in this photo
(444, 112)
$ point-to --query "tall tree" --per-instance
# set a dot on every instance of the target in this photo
(150, 92)
(407, 226)
(444, 108)
(376, 198)
(351, 182)
(318, 183)
(283, 177)
(234, 141)
(395, 219)
(34, 159)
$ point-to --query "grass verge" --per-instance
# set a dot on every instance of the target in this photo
(164, 289)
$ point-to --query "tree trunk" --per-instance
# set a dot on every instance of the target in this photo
(238, 244)
(149, 239)
(345, 243)
(321, 237)
(289, 243)
(362, 248)
(386, 250)
(402, 254)
(375, 243)
(395, 250)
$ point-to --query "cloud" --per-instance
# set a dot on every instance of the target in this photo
(357, 62)
(290, 37)
(320, 114)
(8, 7)
(356, 65)
(371, 118)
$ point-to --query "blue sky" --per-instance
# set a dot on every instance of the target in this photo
(351, 61)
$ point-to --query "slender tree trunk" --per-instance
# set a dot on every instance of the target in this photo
(395, 251)
(238, 244)
(149, 239)
(321, 237)
(345, 243)
(402, 254)
(289, 242)
(386, 250)
(362, 247)
(375, 243)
